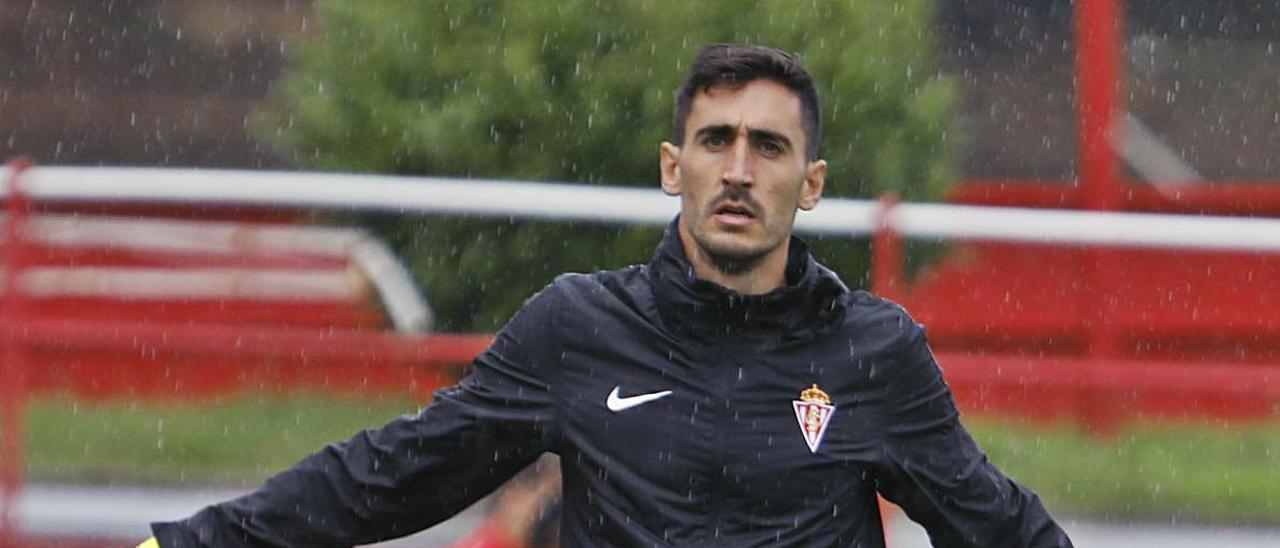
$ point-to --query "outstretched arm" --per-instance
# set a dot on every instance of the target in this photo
(932, 468)
(412, 473)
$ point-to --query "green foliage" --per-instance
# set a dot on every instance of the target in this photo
(580, 90)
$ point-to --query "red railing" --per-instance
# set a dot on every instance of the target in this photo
(13, 395)
(181, 361)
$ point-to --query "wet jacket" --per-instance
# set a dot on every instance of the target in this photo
(684, 414)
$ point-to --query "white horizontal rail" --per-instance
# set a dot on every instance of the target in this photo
(195, 283)
(1068, 227)
(477, 197)
(351, 191)
(594, 203)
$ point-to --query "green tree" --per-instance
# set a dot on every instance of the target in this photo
(582, 91)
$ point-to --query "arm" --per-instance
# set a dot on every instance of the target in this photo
(932, 468)
(412, 473)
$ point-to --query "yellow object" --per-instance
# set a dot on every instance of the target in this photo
(149, 543)
(815, 395)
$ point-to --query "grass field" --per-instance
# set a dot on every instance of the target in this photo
(1183, 472)
(235, 442)
(1159, 472)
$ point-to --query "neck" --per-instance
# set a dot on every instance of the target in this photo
(755, 277)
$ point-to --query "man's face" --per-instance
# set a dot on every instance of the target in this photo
(742, 172)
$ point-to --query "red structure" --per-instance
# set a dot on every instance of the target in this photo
(104, 305)
(16, 363)
(1102, 334)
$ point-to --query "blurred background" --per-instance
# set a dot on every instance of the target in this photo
(177, 345)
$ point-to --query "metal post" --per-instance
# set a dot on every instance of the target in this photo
(886, 253)
(14, 369)
(1098, 27)
(1097, 24)
(1098, 43)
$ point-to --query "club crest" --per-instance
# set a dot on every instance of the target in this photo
(813, 412)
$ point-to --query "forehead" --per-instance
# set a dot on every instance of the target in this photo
(760, 104)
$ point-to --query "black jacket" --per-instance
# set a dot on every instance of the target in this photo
(721, 460)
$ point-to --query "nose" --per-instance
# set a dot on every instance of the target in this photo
(738, 169)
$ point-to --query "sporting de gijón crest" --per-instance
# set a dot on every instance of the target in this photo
(813, 412)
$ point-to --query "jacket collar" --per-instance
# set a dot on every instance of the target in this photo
(809, 301)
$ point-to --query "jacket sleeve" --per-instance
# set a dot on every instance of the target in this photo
(932, 468)
(412, 473)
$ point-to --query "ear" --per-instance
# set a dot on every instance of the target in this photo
(815, 177)
(669, 162)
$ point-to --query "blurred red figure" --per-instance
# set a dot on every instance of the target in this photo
(525, 513)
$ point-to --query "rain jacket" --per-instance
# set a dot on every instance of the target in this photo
(684, 414)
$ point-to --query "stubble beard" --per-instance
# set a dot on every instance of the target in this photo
(729, 259)
(732, 262)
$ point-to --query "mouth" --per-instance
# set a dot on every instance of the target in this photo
(734, 213)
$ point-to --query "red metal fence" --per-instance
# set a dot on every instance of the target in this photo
(97, 349)
(13, 395)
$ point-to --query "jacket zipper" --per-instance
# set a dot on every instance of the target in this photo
(724, 371)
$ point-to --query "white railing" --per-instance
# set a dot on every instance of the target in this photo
(595, 203)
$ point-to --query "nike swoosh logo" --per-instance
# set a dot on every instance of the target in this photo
(618, 403)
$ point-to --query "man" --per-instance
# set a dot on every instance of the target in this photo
(732, 392)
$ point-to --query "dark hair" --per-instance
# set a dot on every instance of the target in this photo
(737, 65)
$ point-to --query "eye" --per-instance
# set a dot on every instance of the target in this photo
(715, 142)
(770, 148)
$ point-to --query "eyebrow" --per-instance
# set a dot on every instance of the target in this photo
(753, 134)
